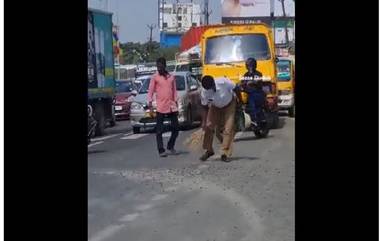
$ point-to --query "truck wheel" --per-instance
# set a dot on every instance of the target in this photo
(261, 133)
(291, 111)
(136, 130)
(99, 116)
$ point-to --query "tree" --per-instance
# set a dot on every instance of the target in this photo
(134, 53)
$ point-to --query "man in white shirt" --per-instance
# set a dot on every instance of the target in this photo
(219, 103)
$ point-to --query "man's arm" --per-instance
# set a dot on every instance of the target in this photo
(151, 90)
(237, 91)
(235, 88)
(204, 109)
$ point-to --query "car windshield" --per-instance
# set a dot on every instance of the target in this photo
(124, 86)
(236, 48)
(180, 83)
(144, 85)
(283, 71)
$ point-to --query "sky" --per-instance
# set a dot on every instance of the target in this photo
(133, 16)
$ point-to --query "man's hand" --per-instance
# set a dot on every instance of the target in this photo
(204, 125)
(150, 107)
(204, 113)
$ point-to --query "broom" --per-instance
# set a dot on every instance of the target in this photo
(195, 141)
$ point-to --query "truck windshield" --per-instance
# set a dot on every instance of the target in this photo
(236, 48)
(283, 71)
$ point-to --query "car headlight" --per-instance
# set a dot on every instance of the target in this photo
(136, 106)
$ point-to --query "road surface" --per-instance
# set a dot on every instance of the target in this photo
(135, 195)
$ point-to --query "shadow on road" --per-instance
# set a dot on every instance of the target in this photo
(250, 138)
(95, 151)
(180, 153)
(237, 158)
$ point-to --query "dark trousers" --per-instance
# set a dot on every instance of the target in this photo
(160, 129)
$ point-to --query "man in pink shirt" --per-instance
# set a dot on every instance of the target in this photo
(163, 85)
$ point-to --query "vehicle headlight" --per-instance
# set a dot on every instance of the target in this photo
(136, 106)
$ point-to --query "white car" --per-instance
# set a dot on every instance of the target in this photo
(189, 103)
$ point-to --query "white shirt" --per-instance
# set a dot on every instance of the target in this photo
(223, 94)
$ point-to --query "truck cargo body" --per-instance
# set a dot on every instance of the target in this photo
(101, 75)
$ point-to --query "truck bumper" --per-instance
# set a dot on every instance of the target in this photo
(285, 101)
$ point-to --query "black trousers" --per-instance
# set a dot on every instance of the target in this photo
(160, 129)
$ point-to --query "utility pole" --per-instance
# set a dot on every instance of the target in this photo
(286, 23)
(206, 12)
(151, 27)
(192, 9)
(176, 10)
(273, 21)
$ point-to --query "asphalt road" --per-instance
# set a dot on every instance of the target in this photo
(135, 195)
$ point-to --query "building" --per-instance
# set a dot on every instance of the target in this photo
(175, 19)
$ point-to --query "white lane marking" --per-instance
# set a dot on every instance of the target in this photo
(129, 217)
(133, 137)
(238, 135)
(166, 134)
(95, 143)
(143, 207)
(104, 137)
(203, 166)
(128, 134)
(159, 197)
(106, 233)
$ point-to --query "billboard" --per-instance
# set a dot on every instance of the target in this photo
(245, 8)
(251, 11)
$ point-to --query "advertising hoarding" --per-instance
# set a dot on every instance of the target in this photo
(253, 11)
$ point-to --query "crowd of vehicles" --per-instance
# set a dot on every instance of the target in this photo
(219, 50)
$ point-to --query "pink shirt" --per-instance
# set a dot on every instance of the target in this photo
(166, 93)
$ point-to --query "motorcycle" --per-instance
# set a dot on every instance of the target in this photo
(251, 122)
(259, 125)
(91, 124)
(253, 119)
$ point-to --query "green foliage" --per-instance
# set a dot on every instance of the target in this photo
(134, 53)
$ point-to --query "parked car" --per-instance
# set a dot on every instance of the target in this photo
(123, 98)
(188, 89)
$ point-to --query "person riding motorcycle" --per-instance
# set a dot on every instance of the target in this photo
(252, 84)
